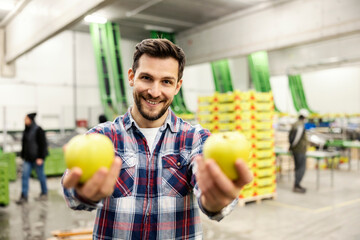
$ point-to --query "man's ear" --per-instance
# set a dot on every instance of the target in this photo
(131, 76)
(178, 86)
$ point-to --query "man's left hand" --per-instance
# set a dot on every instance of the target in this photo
(217, 190)
(39, 161)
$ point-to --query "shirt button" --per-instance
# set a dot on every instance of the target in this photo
(148, 214)
(178, 163)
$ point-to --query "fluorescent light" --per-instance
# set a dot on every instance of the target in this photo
(95, 19)
(158, 28)
(7, 6)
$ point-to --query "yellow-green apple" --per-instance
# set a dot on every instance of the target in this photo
(89, 152)
(225, 148)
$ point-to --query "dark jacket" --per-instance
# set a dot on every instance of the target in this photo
(301, 145)
(34, 144)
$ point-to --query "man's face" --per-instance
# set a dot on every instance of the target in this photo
(155, 84)
(27, 121)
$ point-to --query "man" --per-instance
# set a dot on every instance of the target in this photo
(298, 145)
(159, 189)
(34, 151)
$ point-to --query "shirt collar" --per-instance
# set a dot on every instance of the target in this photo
(171, 121)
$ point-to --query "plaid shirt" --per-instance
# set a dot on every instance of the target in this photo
(156, 195)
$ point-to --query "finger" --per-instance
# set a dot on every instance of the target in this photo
(226, 186)
(91, 187)
(72, 177)
(202, 175)
(245, 175)
(108, 186)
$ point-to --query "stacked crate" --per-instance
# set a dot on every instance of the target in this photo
(10, 160)
(250, 113)
(54, 163)
(261, 137)
(4, 184)
(204, 112)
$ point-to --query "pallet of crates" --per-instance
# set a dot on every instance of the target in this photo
(243, 125)
(204, 112)
(223, 111)
(259, 130)
(10, 159)
(4, 184)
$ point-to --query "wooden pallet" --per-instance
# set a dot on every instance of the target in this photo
(74, 234)
(257, 199)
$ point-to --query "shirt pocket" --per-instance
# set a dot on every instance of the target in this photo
(125, 182)
(175, 175)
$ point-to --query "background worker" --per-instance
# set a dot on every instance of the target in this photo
(34, 151)
(298, 145)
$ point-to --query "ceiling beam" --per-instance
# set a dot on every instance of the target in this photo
(39, 20)
(142, 7)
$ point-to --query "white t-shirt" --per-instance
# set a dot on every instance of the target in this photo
(150, 134)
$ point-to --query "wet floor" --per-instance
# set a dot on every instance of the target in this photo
(327, 213)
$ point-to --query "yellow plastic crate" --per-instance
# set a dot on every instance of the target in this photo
(243, 115)
(264, 172)
(224, 97)
(244, 106)
(269, 134)
(225, 117)
(262, 144)
(265, 181)
(263, 153)
(262, 106)
(247, 96)
(187, 116)
(262, 96)
(242, 125)
(264, 190)
(203, 100)
(261, 126)
(264, 163)
(246, 193)
(205, 109)
(223, 107)
(204, 118)
(223, 127)
(262, 116)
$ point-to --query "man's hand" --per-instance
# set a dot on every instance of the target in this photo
(99, 186)
(39, 161)
(217, 190)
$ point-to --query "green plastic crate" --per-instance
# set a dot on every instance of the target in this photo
(54, 163)
(10, 159)
(4, 184)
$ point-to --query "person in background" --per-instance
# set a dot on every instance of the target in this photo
(102, 118)
(34, 151)
(298, 145)
(159, 180)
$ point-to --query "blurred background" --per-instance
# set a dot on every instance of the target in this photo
(251, 65)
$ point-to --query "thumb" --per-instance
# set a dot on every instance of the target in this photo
(244, 173)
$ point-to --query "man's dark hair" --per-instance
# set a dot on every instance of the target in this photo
(159, 48)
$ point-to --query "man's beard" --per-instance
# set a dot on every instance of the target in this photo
(137, 99)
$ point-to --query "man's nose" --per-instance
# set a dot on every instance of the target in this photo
(155, 90)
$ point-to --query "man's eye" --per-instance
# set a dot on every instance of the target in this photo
(167, 82)
(145, 77)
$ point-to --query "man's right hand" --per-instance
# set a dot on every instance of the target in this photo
(99, 186)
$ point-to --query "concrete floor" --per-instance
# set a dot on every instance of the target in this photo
(328, 213)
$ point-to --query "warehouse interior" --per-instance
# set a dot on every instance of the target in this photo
(251, 66)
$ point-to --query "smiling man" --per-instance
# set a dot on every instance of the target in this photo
(159, 180)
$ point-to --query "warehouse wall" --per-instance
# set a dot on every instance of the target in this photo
(329, 70)
(47, 75)
(45, 82)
